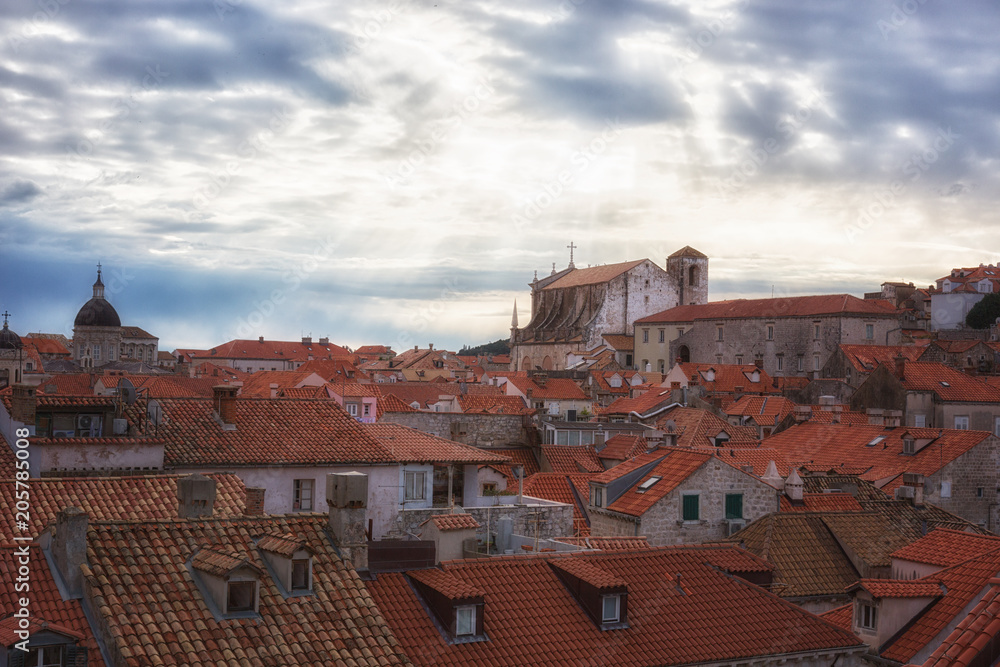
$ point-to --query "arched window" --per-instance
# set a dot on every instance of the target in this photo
(693, 276)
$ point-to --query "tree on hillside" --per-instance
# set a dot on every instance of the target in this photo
(496, 347)
(984, 313)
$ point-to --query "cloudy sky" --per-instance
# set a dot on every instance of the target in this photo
(395, 171)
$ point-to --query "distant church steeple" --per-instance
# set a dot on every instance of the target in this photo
(513, 319)
(99, 285)
(571, 247)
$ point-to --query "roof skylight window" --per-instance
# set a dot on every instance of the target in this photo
(648, 484)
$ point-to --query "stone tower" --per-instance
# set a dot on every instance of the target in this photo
(688, 268)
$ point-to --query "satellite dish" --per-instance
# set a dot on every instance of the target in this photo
(127, 391)
(154, 412)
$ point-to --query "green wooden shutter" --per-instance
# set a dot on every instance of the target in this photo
(690, 507)
(734, 505)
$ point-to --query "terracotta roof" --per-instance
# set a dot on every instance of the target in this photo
(284, 545)
(136, 498)
(572, 489)
(622, 446)
(392, 403)
(446, 583)
(728, 377)
(675, 466)
(46, 345)
(753, 460)
(944, 547)
(606, 543)
(507, 405)
(593, 275)
(373, 349)
(794, 306)
(157, 615)
(428, 393)
(409, 445)
(450, 522)
(355, 390)
(842, 617)
(553, 388)
(8, 462)
(335, 370)
(268, 432)
(973, 635)
(890, 588)
(74, 384)
(696, 427)
(135, 332)
(47, 604)
(532, 619)
(947, 383)
(274, 349)
(220, 563)
(523, 456)
(875, 450)
(587, 571)
(687, 251)
(643, 404)
(823, 502)
(866, 358)
(620, 342)
(320, 393)
(962, 584)
(764, 409)
(570, 459)
(258, 385)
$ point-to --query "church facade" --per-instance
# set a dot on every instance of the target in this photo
(571, 310)
(100, 339)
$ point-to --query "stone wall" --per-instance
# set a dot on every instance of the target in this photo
(480, 430)
(553, 519)
(974, 480)
(662, 524)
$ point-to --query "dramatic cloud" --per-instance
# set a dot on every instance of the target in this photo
(398, 170)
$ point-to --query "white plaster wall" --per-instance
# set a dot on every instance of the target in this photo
(112, 455)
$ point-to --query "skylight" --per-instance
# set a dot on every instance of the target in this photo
(944, 384)
(648, 484)
(876, 441)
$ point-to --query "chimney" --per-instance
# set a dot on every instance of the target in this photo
(195, 496)
(324, 341)
(759, 363)
(793, 488)
(875, 417)
(900, 366)
(430, 346)
(803, 413)
(255, 501)
(415, 348)
(68, 547)
(274, 389)
(224, 402)
(307, 340)
(22, 404)
(772, 477)
(893, 418)
(347, 500)
(260, 339)
(541, 379)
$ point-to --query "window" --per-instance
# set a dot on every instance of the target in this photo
(645, 335)
(352, 409)
(680, 331)
(869, 331)
(996, 426)
(866, 616)
(465, 621)
(920, 421)
(815, 331)
(44, 656)
(661, 365)
(781, 362)
(739, 359)
(979, 492)
(414, 484)
(663, 335)
(300, 574)
(734, 505)
(489, 488)
(598, 496)
(799, 363)
(946, 489)
(962, 422)
(908, 446)
(770, 332)
(610, 608)
(367, 410)
(97, 352)
(815, 362)
(690, 506)
(241, 596)
(303, 492)
(648, 484)
(718, 333)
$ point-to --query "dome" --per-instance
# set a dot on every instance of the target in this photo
(97, 312)
(8, 339)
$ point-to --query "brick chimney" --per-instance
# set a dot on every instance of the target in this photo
(68, 547)
(307, 340)
(875, 416)
(195, 496)
(900, 366)
(255, 501)
(803, 413)
(224, 402)
(22, 403)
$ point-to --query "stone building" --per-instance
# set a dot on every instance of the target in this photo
(677, 496)
(955, 294)
(786, 337)
(97, 330)
(12, 355)
(572, 309)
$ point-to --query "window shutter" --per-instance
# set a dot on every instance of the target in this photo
(690, 507)
(734, 505)
(16, 658)
(76, 656)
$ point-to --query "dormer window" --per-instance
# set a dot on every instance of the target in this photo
(867, 616)
(300, 574)
(241, 596)
(908, 446)
(465, 621)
